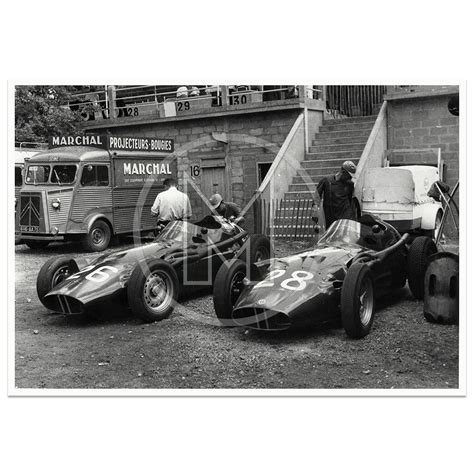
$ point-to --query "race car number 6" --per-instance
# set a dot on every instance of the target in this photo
(297, 282)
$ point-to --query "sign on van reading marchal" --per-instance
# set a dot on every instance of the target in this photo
(108, 142)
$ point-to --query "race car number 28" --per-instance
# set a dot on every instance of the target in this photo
(297, 282)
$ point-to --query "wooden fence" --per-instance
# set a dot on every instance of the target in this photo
(354, 101)
(284, 219)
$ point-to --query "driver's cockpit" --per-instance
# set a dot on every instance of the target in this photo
(366, 232)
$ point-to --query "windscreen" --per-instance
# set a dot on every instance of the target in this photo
(37, 174)
(63, 174)
(345, 231)
(180, 231)
(43, 174)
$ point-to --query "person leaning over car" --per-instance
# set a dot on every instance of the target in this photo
(228, 210)
(336, 192)
(170, 204)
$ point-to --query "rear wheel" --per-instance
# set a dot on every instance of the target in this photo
(358, 301)
(52, 273)
(98, 237)
(420, 250)
(257, 248)
(37, 244)
(228, 286)
(153, 289)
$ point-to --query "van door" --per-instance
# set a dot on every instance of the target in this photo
(94, 194)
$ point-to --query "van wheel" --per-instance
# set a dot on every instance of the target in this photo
(36, 244)
(52, 273)
(153, 290)
(358, 301)
(98, 238)
(420, 250)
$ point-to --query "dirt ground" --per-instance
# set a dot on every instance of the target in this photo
(191, 349)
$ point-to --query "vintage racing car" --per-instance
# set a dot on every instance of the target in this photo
(351, 264)
(151, 277)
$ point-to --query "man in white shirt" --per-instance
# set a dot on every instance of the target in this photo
(171, 204)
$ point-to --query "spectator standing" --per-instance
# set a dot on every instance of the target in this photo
(336, 192)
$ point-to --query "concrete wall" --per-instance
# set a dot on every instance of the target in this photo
(425, 122)
(237, 141)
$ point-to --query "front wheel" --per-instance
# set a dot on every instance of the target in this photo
(228, 286)
(52, 273)
(153, 290)
(420, 250)
(98, 237)
(358, 301)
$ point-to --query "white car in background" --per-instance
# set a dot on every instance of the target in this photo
(399, 196)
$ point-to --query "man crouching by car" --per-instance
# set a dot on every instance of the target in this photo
(170, 205)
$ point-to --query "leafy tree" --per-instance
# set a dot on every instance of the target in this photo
(41, 111)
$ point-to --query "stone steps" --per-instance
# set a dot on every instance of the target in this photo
(337, 141)
(340, 127)
(353, 146)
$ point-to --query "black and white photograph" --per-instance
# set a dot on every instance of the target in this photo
(236, 237)
(269, 237)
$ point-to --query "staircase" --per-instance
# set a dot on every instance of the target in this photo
(337, 141)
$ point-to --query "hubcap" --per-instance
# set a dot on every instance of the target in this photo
(60, 275)
(366, 302)
(98, 236)
(158, 291)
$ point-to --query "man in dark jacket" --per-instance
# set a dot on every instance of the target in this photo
(336, 192)
(228, 210)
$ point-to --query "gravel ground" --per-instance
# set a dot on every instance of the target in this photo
(191, 350)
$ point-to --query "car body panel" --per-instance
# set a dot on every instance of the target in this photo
(195, 258)
(305, 288)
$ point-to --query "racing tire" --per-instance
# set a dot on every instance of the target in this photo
(420, 250)
(98, 237)
(153, 290)
(227, 288)
(358, 301)
(53, 272)
(257, 248)
(37, 244)
(399, 280)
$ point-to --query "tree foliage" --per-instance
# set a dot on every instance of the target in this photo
(42, 111)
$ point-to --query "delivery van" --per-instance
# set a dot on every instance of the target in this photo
(91, 188)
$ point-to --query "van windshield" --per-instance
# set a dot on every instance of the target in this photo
(37, 174)
(43, 174)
